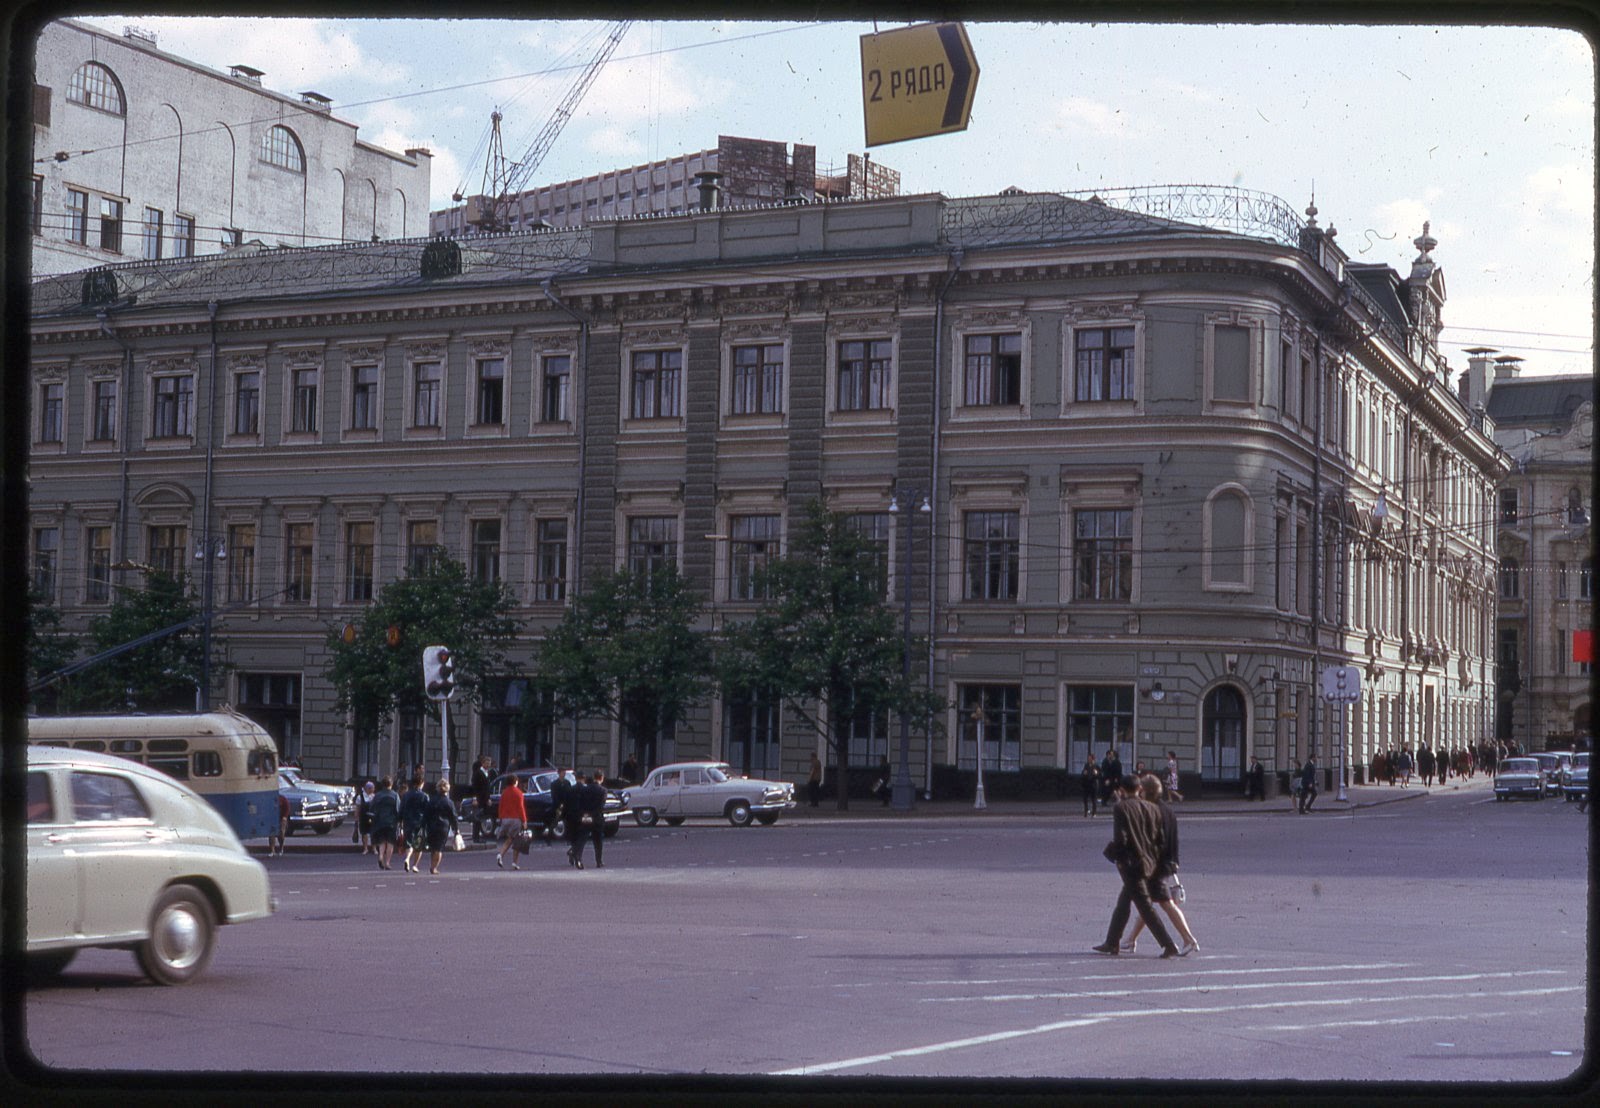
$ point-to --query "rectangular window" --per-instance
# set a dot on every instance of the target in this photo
(246, 403)
(1308, 393)
(992, 549)
(52, 395)
(303, 400)
(656, 375)
(1508, 506)
(1099, 718)
(1561, 580)
(752, 544)
(154, 225)
(993, 370)
(866, 736)
(97, 565)
(1586, 580)
(241, 562)
(182, 236)
(1103, 553)
(166, 545)
(873, 528)
(652, 543)
(486, 549)
(363, 397)
(991, 720)
(1230, 369)
(273, 701)
(550, 560)
(757, 380)
(422, 544)
(298, 564)
(358, 562)
(750, 734)
(557, 382)
(866, 369)
(429, 378)
(78, 217)
(111, 225)
(172, 414)
(1288, 393)
(491, 391)
(103, 426)
(1104, 366)
(46, 551)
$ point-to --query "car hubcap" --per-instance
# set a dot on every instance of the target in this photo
(178, 937)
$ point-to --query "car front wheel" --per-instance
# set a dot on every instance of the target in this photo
(674, 821)
(644, 817)
(323, 828)
(183, 933)
(739, 813)
(612, 828)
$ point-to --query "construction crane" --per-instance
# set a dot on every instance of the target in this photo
(502, 180)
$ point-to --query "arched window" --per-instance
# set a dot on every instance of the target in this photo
(1510, 578)
(1227, 539)
(279, 147)
(95, 86)
(1222, 735)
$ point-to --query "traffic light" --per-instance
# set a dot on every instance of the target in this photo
(438, 673)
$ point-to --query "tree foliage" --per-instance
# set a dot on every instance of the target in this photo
(161, 675)
(377, 664)
(627, 650)
(826, 642)
(48, 648)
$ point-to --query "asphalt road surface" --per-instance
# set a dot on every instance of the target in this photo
(1438, 940)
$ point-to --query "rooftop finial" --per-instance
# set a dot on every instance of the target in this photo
(1425, 243)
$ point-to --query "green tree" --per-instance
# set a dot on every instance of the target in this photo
(826, 643)
(377, 659)
(161, 675)
(48, 648)
(627, 650)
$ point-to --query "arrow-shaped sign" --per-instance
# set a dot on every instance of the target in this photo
(917, 81)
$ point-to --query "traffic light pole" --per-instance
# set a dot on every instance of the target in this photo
(444, 740)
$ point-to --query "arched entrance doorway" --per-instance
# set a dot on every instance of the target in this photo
(1222, 727)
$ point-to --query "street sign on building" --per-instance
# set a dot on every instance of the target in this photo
(917, 81)
(1341, 684)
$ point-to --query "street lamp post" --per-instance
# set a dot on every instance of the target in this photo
(978, 801)
(903, 793)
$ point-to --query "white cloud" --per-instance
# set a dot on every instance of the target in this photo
(1093, 116)
(294, 54)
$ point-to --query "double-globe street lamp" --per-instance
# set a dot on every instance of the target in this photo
(902, 793)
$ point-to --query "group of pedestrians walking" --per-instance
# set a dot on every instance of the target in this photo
(1144, 848)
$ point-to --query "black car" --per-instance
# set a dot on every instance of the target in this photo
(535, 786)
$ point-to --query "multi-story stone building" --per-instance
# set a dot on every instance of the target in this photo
(1545, 549)
(1175, 470)
(738, 171)
(141, 154)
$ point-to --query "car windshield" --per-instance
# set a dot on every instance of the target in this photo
(1580, 760)
(719, 773)
(1519, 765)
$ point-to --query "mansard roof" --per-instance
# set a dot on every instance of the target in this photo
(1538, 403)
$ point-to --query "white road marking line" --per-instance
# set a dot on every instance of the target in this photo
(1124, 977)
(1136, 1013)
(1218, 986)
(1379, 1023)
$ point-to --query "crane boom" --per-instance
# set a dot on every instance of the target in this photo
(494, 210)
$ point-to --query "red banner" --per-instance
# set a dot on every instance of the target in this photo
(1583, 646)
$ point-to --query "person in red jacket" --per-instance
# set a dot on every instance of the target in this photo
(511, 814)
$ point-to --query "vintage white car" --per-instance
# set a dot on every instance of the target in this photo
(1519, 777)
(121, 855)
(683, 790)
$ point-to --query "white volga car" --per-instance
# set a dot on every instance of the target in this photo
(121, 855)
(682, 790)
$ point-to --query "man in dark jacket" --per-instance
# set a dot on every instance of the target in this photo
(1138, 839)
(1110, 774)
(482, 778)
(1308, 784)
(589, 821)
(563, 800)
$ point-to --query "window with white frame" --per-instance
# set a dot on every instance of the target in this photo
(550, 560)
(652, 543)
(756, 384)
(654, 384)
(1510, 579)
(52, 405)
(1103, 364)
(95, 86)
(491, 385)
(750, 734)
(866, 735)
(241, 562)
(165, 544)
(281, 148)
(992, 370)
(299, 565)
(555, 387)
(358, 551)
(1099, 718)
(752, 546)
(991, 554)
(154, 228)
(364, 397)
(247, 402)
(172, 406)
(46, 554)
(873, 528)
(990, 719)
(427, 394)
(183, 236)
(422, 544)
(78, 216)
(865, 375)
(304, 389)
(111, 225)
(486, 550)
(97, 564)
(1102, 553)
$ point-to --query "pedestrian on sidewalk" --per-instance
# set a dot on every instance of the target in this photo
(1425, 765)
(589, 820)
(881, 787)
(1255, 780)
(362, 833)
(442, 825)
(1308, 784)
(511, 814)
(413, 822)
(1110, 774)
(814, 780)
(562, 804)
(385, 811)
(482, 777)
(1405, 767)
(1172, 776)
(280, 828)
(1089, 783)
(1166, 878)
(1135, 849)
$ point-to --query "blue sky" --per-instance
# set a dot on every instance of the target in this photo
(1485, 132)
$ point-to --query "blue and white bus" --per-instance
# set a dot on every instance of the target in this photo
(224, 756)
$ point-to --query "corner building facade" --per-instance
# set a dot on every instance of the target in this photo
(1153, 451)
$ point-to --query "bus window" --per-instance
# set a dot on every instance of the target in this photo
(207, 763)
(167, 746)
(86, 744)
(261, 763)
(125, 746)
(173, 765)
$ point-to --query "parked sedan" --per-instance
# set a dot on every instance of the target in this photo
(1519, 777)
(712, 789)
(1575, 782)
(319, 807)
(121, 855)
(1553, 763)
(536, 802)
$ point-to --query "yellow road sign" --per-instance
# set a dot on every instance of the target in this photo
(917, 81)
